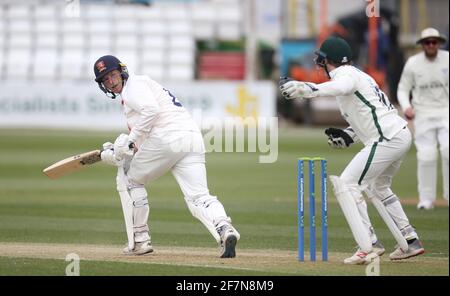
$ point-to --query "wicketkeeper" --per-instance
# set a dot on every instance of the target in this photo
(162, 137)
(386, 138)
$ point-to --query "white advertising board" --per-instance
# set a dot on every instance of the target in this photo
(82, 105)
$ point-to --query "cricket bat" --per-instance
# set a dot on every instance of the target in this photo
(72, 164)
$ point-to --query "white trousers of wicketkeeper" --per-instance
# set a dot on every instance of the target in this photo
(431, 133)
(182, 153)
(371, 171)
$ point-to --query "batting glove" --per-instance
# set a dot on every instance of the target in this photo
(298, 89)
(109, 157)
(108, 146)
(338, 138)
(123, 147)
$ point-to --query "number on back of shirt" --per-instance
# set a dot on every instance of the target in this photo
(383, 98)
(174, 99)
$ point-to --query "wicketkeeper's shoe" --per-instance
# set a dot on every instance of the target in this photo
(139, 248)
(228, 240)
(361, 258)
(415, 248)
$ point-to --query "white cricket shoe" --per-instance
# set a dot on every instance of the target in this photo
(425, 205)
(415, 248)
(228, 240)
(378, 248)
(361, 258)
(139, 248)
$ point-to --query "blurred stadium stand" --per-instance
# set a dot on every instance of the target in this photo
(40, 41)
(184, 40)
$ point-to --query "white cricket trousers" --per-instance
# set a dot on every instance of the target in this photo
(181, 152)
(372, 170)
(429, 134)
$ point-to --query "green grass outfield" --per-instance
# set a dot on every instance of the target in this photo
(43, 220)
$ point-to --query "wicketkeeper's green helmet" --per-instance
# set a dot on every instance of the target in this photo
(334, 49)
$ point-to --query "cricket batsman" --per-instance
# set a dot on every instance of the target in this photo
(162, 137)
(386, 138)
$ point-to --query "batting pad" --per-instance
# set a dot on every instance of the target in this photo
(351, 213)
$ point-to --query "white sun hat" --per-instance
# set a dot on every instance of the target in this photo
(431, 33)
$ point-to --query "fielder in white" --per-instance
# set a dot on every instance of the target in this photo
(426, 76)
(374, 122)
(163, 137)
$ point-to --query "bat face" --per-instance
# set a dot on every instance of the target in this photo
(72, 164)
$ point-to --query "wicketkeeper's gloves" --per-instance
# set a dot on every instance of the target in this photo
(292, 89)
(339, 138)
